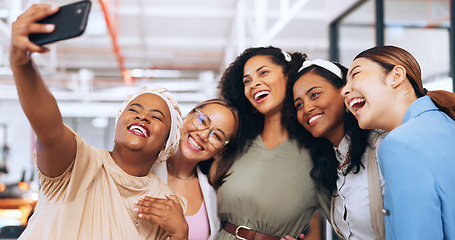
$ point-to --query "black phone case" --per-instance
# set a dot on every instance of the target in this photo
(70, 21)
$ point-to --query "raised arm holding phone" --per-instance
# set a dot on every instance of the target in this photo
(86, 192)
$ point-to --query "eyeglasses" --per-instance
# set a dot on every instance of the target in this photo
(202, 122)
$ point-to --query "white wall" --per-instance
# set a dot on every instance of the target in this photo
(20, 140)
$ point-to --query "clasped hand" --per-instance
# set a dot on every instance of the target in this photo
(167, 213)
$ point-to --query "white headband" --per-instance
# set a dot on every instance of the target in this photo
(172, 142)
(287, 56)
(324, 64)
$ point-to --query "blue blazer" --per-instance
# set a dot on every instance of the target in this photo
(417, 160)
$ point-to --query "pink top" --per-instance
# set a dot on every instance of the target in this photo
(198, 224)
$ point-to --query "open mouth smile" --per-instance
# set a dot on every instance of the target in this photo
(139, 130)
(192, 142)
(261, 95)
(314, 118)
(356, 104)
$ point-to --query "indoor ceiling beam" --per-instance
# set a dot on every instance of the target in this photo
(282, 22)
(117, 51)
(260, 19)
(209, 13)
(240, 26)
(236, 40)
(284, 7)
(175, 12)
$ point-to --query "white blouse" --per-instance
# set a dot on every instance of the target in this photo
(351, 213)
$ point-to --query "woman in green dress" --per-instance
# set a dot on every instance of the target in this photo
(265, 189)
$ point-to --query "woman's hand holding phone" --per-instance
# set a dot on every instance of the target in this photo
(26, 24)
(42, 24)
(70, 21)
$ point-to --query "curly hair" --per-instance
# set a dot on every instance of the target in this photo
(325, 164)
(231, 87)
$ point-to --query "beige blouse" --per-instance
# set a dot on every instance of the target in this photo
(93, 199)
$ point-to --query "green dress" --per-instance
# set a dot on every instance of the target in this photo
(271, 191)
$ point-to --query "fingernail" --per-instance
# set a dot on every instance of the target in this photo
(53, 8)
(142, 197)
(136, 201)
(136, 209)
(50, 27)
(140, 215)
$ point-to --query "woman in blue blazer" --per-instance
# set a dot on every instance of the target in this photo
(417, 158)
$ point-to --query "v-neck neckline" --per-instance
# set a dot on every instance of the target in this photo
(261, 142)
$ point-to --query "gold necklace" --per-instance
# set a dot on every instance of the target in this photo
(346, 159)
(175, 174)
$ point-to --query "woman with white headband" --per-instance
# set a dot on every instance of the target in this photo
(86, 192)
(266, 191)
(344, 156)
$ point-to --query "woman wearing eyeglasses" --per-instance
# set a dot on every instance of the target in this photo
(209, 132)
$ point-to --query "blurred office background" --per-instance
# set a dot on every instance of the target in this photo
(185, 45)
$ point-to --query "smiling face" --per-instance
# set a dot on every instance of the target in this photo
(144, 125)
(194, 144)
(369, 95)
(264, 84)
(320, 107)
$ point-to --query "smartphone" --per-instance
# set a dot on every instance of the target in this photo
(70, 21)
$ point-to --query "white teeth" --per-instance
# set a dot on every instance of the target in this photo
(357, 100)
(314, 118)
(194, 143)
(139, 129)
(260, 94)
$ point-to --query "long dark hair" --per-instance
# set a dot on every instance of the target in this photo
(390, 56)
(325, 164)
(229, 150)
(231, 87)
